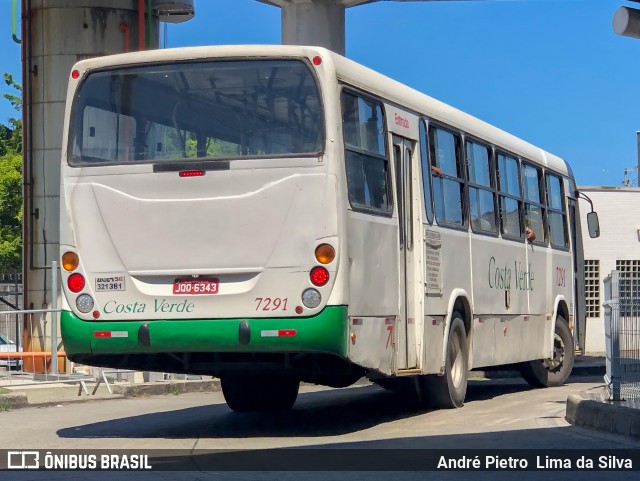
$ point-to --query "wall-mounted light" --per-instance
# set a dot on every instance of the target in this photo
(626, 21)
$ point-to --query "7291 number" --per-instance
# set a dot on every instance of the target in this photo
(271, 304)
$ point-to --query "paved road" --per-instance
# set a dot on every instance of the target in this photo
(498, 414)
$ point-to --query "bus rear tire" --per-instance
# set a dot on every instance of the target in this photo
(448, 391)
(245, 393)
(552, 372)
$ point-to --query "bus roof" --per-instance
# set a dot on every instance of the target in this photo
(356, 75)
(374, 82)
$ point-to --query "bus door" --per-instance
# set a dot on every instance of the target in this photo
(406, 354)
(578, 269)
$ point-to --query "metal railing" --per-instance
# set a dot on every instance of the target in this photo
(11, 301)
(622, 331)
(30, 337)
(37, 357)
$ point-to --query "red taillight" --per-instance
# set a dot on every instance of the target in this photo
(319, 276)
(317, 60)
(76, 282)
(75, 74)
(191, 173)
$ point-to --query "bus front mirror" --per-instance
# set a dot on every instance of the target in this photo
(593, 224)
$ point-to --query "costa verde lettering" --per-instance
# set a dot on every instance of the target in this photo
(164, 306)
(500, 276)
(135, 308)
(159, 305)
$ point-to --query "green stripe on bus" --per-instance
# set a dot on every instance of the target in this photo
(324, 332)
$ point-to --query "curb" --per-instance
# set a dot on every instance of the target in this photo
(603, 416)
(498, 373)
(159, 388)
(13, 401)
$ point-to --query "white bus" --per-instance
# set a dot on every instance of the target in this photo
(277, 214)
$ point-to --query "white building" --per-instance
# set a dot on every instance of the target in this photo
(617, 248)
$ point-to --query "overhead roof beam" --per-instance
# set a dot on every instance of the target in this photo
(319, 22)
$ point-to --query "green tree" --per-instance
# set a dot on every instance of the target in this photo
(10, 212)
(11, 185)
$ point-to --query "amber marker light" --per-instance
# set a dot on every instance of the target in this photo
(70, 261)
(325, 253)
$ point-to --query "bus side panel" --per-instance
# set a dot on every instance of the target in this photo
(500, 300)
(541, 298)
(482, 347)
(433, 345)
(455, 260)
(373, 266)
(561, 279)
(372, 342)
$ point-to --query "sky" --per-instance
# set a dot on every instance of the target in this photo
(551, 72)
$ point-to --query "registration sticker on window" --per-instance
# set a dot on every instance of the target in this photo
(110, 283)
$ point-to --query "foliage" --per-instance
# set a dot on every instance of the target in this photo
(215, 148)
(5, 405)
(10, 212)
(11, 185)
(11, 136)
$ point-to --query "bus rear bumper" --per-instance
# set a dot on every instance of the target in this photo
(325, 332)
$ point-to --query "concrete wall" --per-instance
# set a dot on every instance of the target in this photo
(618, 210)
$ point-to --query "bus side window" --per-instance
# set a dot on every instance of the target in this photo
(509, 196)
(557, 214)
(534, 202)
(426, 171)
(366, 160)
(447, 176)
(482, 197)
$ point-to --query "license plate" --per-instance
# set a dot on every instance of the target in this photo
(110, 283)
(195, 286)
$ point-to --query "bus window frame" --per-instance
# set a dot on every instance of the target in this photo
(507, 153)
(69, 158)
(565, 211)
(463, 180)
(344, 87)
(423, 140)
(542, 191)
(493, 172)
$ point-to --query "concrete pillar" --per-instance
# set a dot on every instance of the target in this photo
(56, 34)
(319, 24)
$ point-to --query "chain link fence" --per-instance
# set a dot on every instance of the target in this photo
(622, 331)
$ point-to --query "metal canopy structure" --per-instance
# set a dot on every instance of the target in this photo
(319, 22)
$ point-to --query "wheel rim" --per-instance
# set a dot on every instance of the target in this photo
(558, 354)
(457, 362)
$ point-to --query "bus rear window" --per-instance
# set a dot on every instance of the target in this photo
(196, 110)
